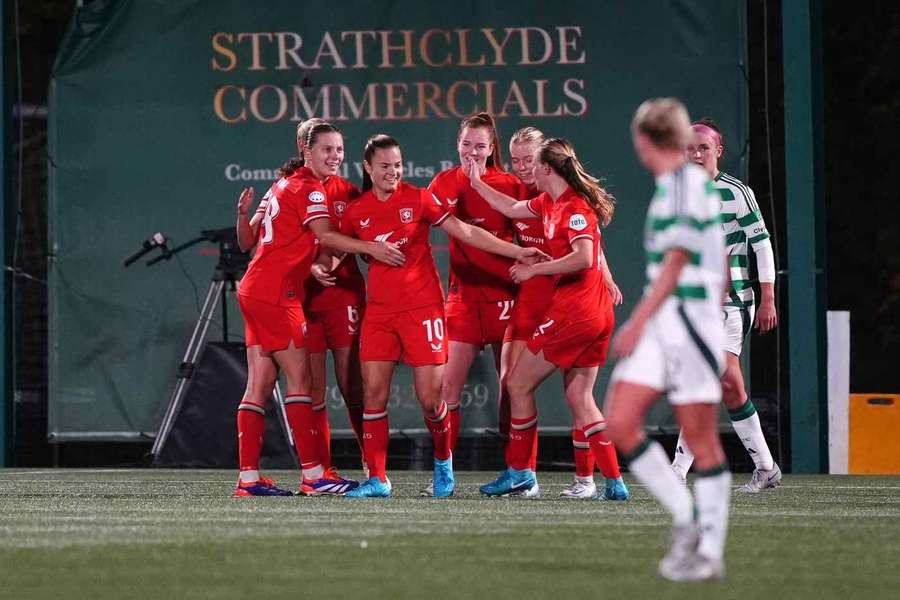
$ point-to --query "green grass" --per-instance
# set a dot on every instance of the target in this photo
(178, 534)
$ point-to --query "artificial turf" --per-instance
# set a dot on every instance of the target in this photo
(169, 534)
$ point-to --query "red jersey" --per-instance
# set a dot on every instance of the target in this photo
(350, 287)
(476, 275)
(285, 246)
(404, 219)
(565, 220)
(530, 234)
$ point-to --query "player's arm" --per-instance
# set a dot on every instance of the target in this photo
(323, 267)
(247, 228)
(505, 205)
(579, 259)
(614, 290)
(483, 240)
(386, 252)
(754, 228)
(630, 333)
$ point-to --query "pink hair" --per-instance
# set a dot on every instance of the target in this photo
(708, 131)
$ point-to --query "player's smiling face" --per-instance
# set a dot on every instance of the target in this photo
(474, 144)
(522, 155)
(325, 156)
(704, 151)
(385, 169)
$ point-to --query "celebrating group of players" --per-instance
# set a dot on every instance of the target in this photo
(528, 277)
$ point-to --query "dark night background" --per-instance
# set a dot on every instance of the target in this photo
(861, 102)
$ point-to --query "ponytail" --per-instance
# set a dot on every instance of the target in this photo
(560, 155)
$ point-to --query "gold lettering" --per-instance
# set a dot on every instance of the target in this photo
(323, 98)
(423, 48)
(498, 46)
(395, 100)
(463, 35)
(567, 43)
(219, 100)
(541, 87)
(451, 98)
(429, 93)
(359, 43)
(255, 102)
(526, 45)
(489, 87)
(327, 48)
(256, 63)
(568, 84)
(356, 109)
(515, 98)
(387, 48)
(227, 52)
(284, 51)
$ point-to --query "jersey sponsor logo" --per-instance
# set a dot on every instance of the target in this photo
(522, 226)
(364, 222)
(452, 201)
(577, 222)
(317, 197)
(406, 215)
(383, 237)
(339, 208)
(531, 239)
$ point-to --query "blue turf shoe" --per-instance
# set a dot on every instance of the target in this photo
(614, 490)
(261, 487)
(371, 488)
(511, 482)
(443, 478)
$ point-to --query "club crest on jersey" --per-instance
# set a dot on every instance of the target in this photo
(406, 215)
(364, 222)
(317, 197)
(339, 208)
(577, 222)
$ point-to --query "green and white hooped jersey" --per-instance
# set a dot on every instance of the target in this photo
(684, 213)
(743, 225)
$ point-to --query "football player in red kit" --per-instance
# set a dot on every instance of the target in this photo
(271, 294)
(481, 294)
(574, 333)
(405, 314)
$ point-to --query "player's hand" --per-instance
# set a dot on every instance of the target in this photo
(614, 291)
(245, 200)
(627, 339)
(388, 253)
(520, 272)
(322, 275)
(530, 256)
(473, 170)
(766, 317)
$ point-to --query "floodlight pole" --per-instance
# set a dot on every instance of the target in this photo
(805, 200)
(7, 202)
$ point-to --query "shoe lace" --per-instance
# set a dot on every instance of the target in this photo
(266, 481)
(331, 473)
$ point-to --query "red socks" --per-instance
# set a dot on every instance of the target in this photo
(304, 430)
(603, 449)
(375, 442)
(251, 423)
(439, 426)
(584, 458)
(320, 416)
(522, 451)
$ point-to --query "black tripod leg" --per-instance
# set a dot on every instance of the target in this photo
(186, 369)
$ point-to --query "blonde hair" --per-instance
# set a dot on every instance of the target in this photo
(664, 121)
(303, 129)
(527, 135)
(560, 156)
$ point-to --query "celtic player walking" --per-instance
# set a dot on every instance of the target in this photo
(744, 228)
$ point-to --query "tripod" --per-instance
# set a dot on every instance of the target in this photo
(230, 268)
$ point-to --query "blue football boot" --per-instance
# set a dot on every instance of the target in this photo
(443, 481)
(261, 487)
(511, 482)
(615, 489)
(371, 488)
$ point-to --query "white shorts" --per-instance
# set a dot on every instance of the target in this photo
(738, 321)
(680, 354)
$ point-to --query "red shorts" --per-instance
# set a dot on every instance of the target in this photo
(415, 335)
(568, 344)
(332, 329)
(271, 326)
(526, 316)
(478, 323)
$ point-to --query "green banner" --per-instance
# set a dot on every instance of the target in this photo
(160, 112)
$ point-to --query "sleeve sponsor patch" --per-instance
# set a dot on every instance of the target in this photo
(577, 222)
(317, 197)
